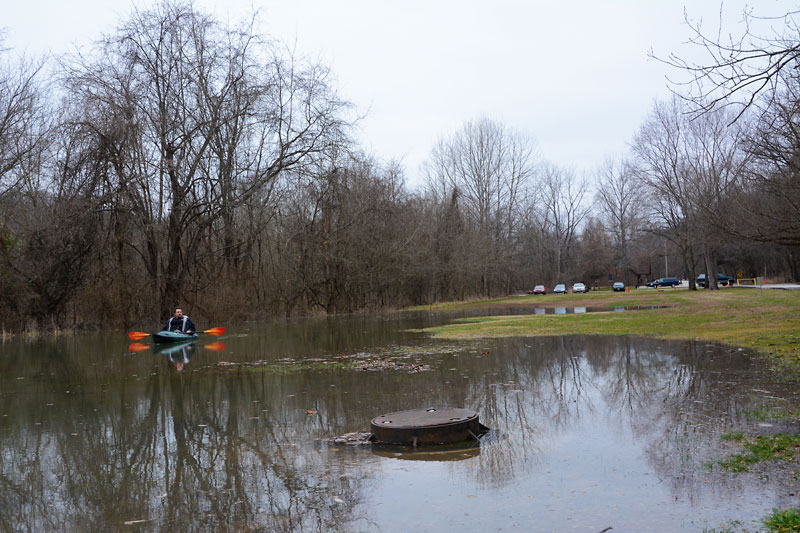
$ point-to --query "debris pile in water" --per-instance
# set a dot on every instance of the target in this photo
(352, 439)
(359, 361)
(378, 364)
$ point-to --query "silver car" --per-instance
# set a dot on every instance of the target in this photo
(579, 287)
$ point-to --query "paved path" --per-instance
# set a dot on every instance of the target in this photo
(783, 286)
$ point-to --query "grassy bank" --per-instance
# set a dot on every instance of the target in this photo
(766, 320)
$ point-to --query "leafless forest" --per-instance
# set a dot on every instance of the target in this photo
(183, 161)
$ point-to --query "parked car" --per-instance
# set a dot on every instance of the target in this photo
(560, 289)
(539, 289)
(664, 282)
(618, 286)
(578, 287)
(722, 279)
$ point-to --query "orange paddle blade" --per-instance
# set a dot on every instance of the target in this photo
(136, 335)
(215, 346)
(215, 331)
(137, 347)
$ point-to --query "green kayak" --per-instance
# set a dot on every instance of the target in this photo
(163, 337)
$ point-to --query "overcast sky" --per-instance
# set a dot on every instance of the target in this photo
(573, 75)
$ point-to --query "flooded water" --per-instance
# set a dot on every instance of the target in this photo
(587, 432)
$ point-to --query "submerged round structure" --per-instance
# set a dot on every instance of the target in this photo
(427, 426)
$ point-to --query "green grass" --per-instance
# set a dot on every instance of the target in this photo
(771, 413)
(765, 320)
(762, 448)
(779, 520)
(733, 436)
(783, 520)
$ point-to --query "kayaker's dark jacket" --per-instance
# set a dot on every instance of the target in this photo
(183, 325)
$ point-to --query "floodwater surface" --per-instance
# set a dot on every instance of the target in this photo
(587, 433)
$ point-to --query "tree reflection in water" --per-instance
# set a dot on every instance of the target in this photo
(90, 443)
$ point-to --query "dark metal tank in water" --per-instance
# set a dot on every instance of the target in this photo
(427, 426)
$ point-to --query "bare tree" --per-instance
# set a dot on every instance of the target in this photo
(488, 165)
(690, 167)
(47, 216)
(766, 203)
(739, 69)
(659, 147)
(714, 162)
(756, 71)
(562, 197)
(23, 123)
(596, 254)
(200, 120)
(620, 197)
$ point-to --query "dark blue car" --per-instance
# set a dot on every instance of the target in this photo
(664, 282)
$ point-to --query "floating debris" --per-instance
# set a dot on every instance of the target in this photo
(376, 365)
(352, 439)
(133, 522)
(394, 359)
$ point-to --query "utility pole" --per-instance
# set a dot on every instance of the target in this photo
(666, 270)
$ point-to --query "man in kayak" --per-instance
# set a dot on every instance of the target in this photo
(180, 322)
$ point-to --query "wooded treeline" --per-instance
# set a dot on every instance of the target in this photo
(182, 161)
